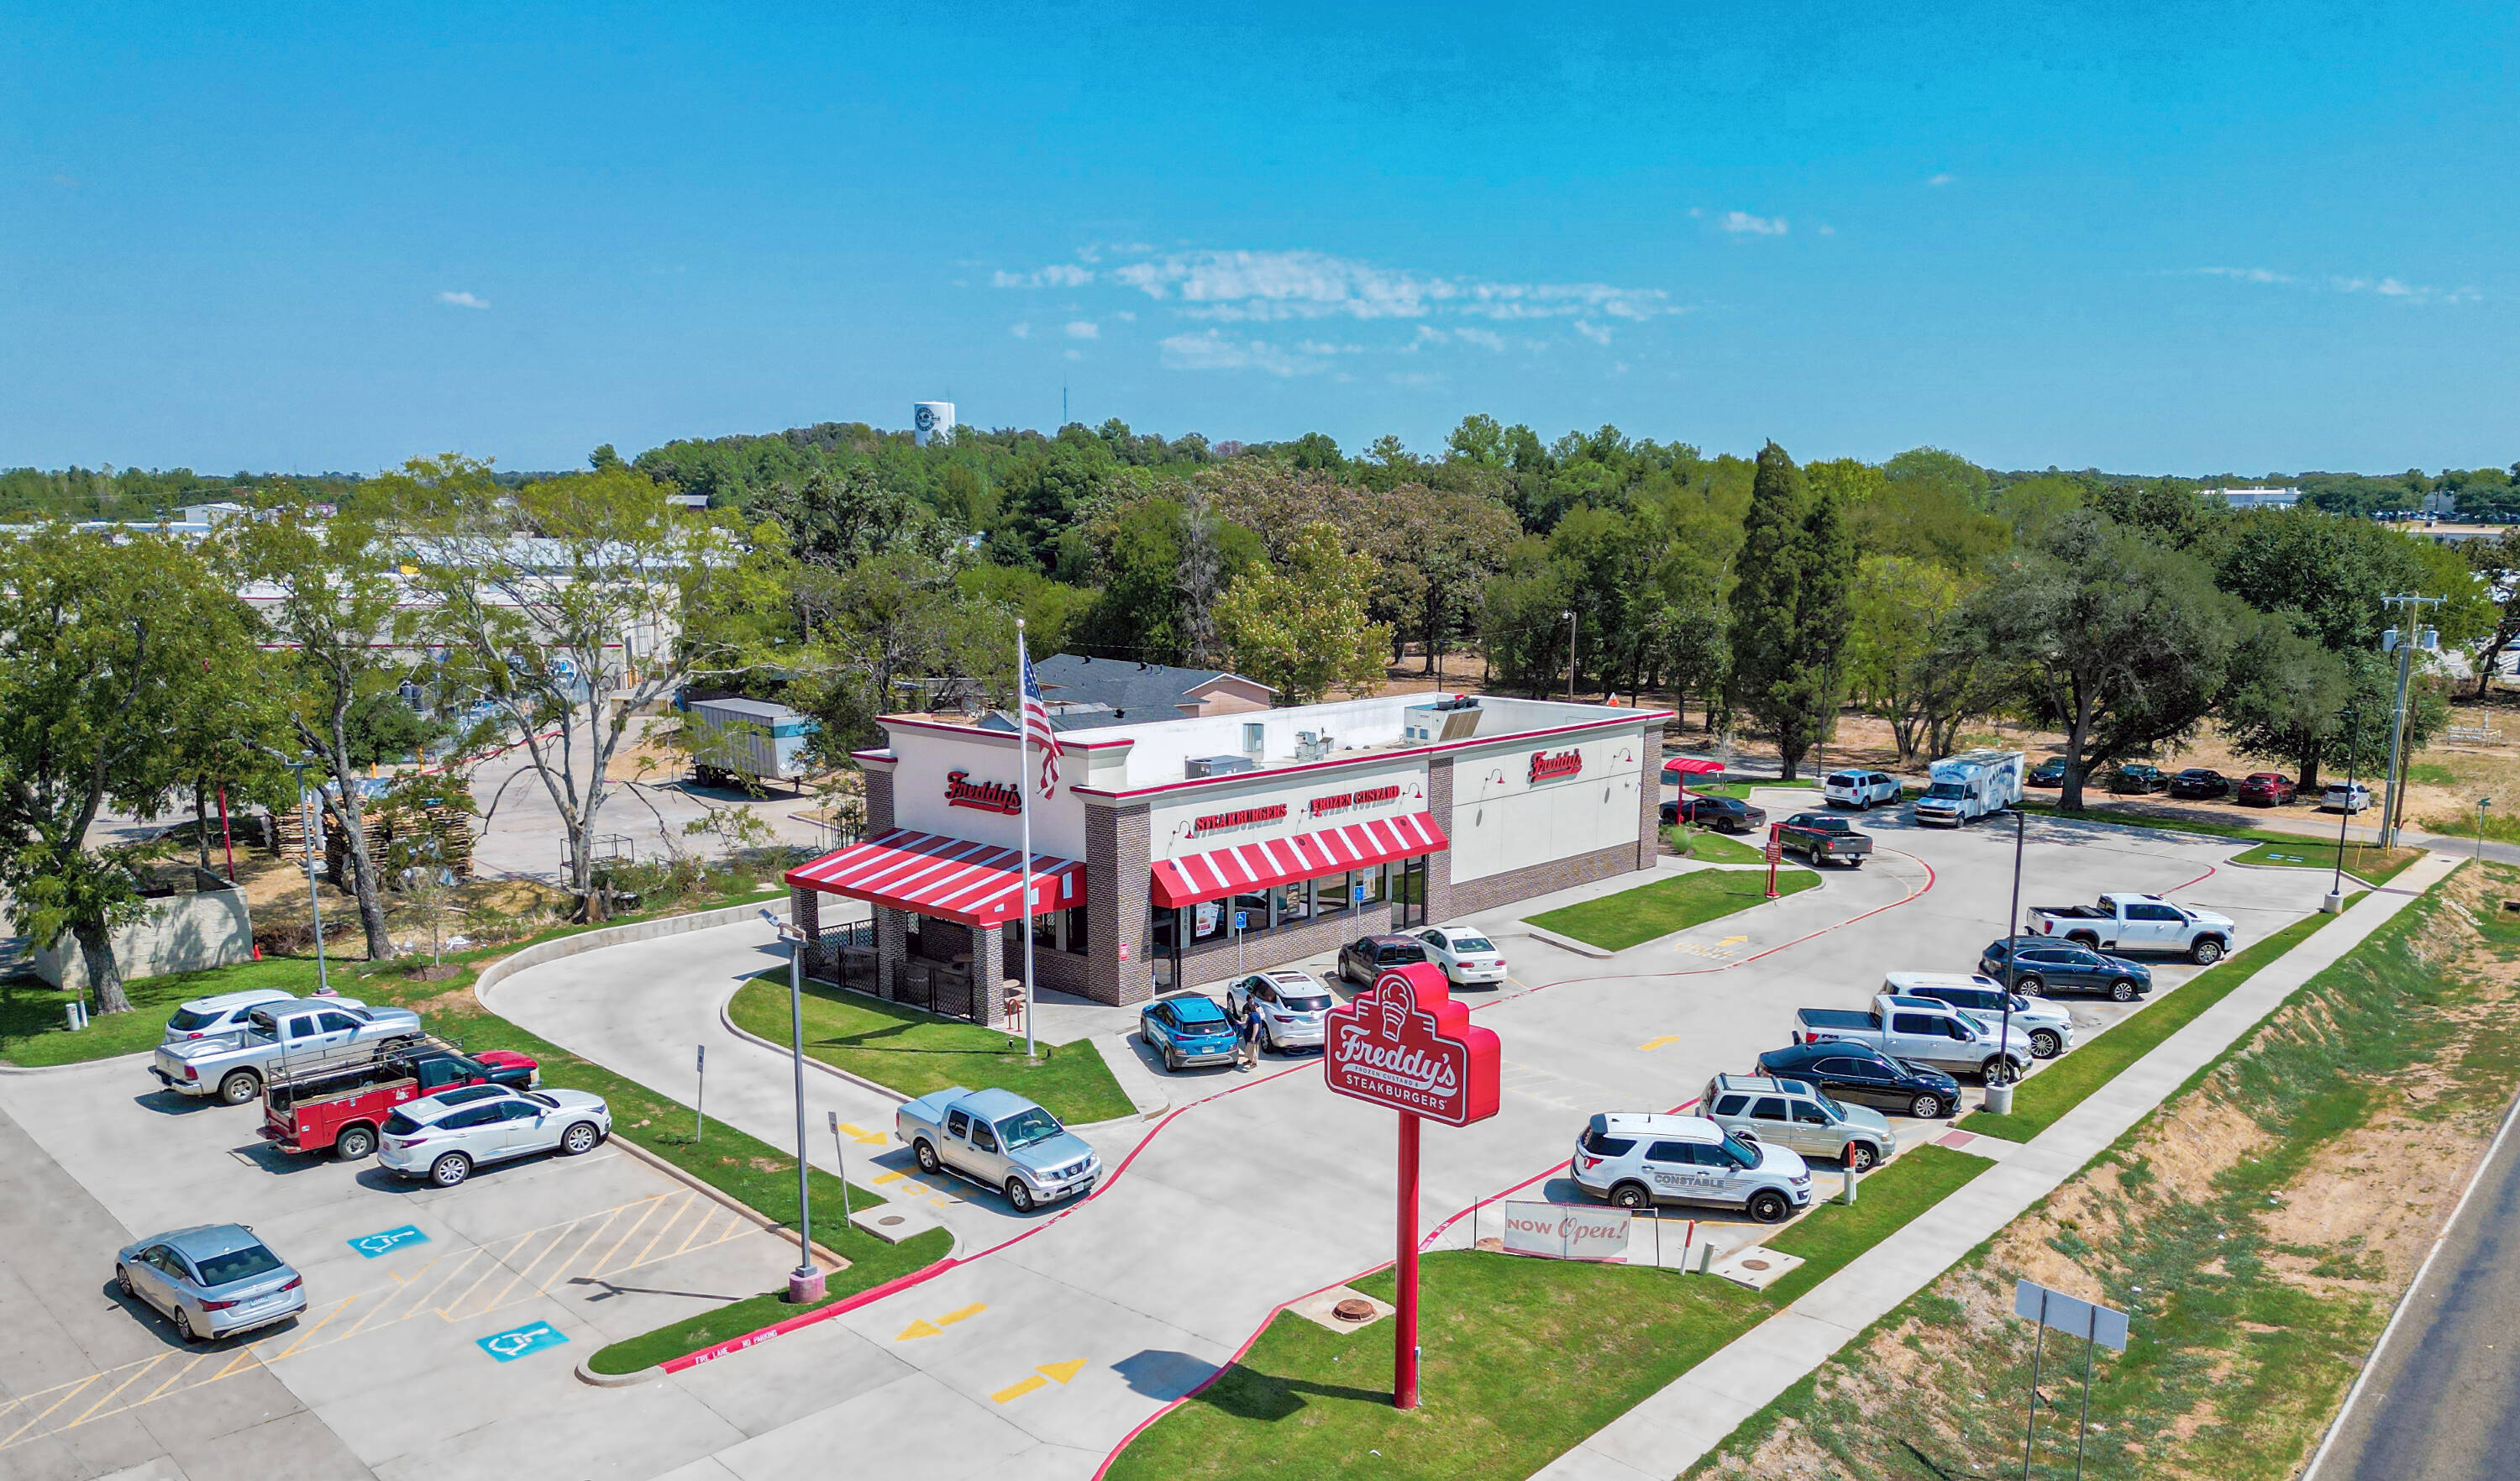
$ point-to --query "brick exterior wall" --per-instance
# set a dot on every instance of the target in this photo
(1216, 961)
(1649, 794)
(1118, 882)
(1478, 895)
(878, 797)
(1439, 866)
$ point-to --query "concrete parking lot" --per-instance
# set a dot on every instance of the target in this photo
(1060, 1331)
(441, 1324)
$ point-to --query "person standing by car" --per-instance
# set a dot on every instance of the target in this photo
(1249, 1057)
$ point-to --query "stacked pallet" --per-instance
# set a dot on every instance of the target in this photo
(286, 834)
(387, 825)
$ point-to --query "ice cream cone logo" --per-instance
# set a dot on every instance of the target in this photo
(1395, 1003)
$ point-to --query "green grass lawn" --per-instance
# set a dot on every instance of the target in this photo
(1712, 847)
(2370, 865)
(1615, 923)
(31, 1020)
(916, 1052)
(1520, 1359)
(2499, 825)
(2063, 1083)
(1739, 791)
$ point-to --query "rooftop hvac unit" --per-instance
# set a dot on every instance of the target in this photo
(1313, 747)
(1216, 766)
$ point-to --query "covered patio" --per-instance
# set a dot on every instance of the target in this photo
(948, 917)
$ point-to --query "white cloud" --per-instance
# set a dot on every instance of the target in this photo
(1828, 231)
(2382, 287)
(1084, 329)
(1020, 330)
(1127, 316)
(1259, 287)
(463, 300)
(1076, 354)
(1944, 178)
(1486, 337)
(1595, 333)
(1212, 350)
(1742, 223)
(1056, 275)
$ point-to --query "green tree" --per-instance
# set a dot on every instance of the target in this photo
(333, 596)
(1304, 630)
(1789, 609)
(2124, 644)
(573, 605)
(2288, 699)
(1908, 661)
(111, 643)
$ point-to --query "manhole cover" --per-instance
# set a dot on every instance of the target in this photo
(1354, 1309)
(1754, 1265)
(889, 1219)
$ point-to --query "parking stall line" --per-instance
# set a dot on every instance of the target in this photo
(303, 1336)
(74, 1390)
(90, 1411)
(666, 1228)
(627, 1234)
(521, 1272)
(709, 1212)
(176, 1378)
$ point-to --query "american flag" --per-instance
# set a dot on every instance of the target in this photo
(1037, 728)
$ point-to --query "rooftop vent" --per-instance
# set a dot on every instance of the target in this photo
(1198, 767)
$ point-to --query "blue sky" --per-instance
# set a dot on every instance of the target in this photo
(2143, 237)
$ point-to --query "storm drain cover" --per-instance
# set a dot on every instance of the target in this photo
(889, 1219)
(1353, 1309)
(1754, 1265)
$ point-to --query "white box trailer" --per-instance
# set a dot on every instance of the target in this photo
(1970, 785)
(740, 741)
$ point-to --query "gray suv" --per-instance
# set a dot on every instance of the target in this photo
(1795, 1113)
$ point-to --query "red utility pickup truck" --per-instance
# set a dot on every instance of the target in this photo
(341, 1108)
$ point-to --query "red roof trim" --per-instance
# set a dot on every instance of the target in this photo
(1369, 758)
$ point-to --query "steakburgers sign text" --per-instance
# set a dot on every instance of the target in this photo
(1406, 1045)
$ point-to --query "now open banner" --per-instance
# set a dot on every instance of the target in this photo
(1560, 1232)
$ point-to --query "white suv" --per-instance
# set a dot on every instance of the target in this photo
(1294, 1009)
(1636, 1159)
(443, 1138)
(1860, 791)
(2050, 1027)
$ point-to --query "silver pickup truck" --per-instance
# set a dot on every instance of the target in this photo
(277, 1038)
(1923, 1031)
(1000, 1140)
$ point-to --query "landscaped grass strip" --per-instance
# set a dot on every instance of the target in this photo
(2042, 1098)
(1710, 847)
(1520, 1358)
(1615, 923)
(916, 1052)
(2370, 865)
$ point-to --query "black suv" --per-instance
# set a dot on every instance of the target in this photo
(1865, 1075)
(2200, 784)
(2049, 967)
(1361, 959)
(1724, 815)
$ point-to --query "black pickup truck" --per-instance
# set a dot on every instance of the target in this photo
(1824, 838)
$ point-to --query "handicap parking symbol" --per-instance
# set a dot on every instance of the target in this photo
(516, 1341)
(373, 1246)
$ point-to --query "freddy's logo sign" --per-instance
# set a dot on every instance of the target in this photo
(1406, 1045)
(1546, 765)
(988, 796)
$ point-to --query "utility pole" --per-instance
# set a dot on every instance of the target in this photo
(2405, 640)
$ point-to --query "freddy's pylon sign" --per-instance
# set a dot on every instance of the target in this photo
(1405, 1043)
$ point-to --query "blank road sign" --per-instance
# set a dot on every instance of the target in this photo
(2072, 1315)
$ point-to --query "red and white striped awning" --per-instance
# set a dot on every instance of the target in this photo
(1306, 856)
(945, 877)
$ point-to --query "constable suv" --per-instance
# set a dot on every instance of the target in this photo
(1791, 1114)
(1638, 1159)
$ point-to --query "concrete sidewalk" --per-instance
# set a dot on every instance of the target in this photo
(1694, 1414)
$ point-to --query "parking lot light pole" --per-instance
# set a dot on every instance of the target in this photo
(2335, 901)
(2482, 803)
(805, 1281)
(1998, 1098)
(314, 816)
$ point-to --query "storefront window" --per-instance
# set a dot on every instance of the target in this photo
(1072, 934)
(1294, 902)
(1253, 911)
(1365, 885)
(1207, 919)
(1331, 895)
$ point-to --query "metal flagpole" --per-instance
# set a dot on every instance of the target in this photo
(1024, 787)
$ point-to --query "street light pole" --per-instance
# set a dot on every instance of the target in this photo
(2406, 639)
(1569, 615)
(313, 817)
(805, 1281)
(2335, 901)
(1998, 1098)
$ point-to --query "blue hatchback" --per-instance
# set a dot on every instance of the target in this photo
(1187, 1030)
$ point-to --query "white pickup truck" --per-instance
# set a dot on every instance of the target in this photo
(1923, 1031)
(2123, 925)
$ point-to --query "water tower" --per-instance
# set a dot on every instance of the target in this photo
(931, 418)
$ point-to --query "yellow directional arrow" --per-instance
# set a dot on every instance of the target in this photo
(1061, 1371)
(919, 1328)
(922, 1327)
(1658, 1043)
(965, 1314)
(861, 1136)
(1043, 1378)
(894, 1176)
(1018, 1390)
(1732, 940)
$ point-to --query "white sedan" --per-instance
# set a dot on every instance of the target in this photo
(1468, 957)
(1294, 1009)
(431, 1137)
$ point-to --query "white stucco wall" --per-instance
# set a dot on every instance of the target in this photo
(1173, 825)
(1502, 820)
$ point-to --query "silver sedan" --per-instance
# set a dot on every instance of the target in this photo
(212, 1281)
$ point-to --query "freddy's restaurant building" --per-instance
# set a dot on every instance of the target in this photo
(1180, 851)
